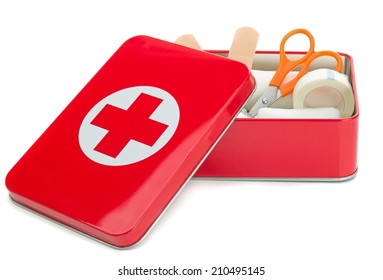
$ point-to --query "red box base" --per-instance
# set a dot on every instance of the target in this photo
(287, 149)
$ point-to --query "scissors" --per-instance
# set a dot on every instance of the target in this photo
(276, 89)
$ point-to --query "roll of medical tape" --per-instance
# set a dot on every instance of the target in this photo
(324, 88)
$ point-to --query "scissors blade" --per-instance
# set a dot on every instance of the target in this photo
(269, 96)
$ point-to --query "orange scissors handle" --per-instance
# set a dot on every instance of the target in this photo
(286, 65)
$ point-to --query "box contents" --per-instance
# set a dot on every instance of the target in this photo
(277, 89)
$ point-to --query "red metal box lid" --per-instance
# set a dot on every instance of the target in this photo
(120, 151)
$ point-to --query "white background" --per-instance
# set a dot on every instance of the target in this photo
(50, 50)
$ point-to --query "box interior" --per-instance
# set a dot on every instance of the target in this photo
(269, 61)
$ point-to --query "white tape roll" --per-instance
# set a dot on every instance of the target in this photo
(325, 88)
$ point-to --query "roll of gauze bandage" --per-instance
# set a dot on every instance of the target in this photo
(324, 88)
(306, 113)
(263, 79)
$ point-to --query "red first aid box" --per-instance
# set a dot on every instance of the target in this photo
(152, 117)
(288, 149)
(121, 150)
